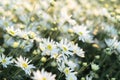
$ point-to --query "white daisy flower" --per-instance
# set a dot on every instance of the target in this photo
(43, 75)
(67, 70)
(71, 76)
(61, 65)
(65, 47)
(78, 51)
(26, 45)
(11, 31)
(24, 64)
(83, 33)
(110, 30)
(23, 34)
(49, 48)
(65, 66)
(5, 60)
(112, 43)
(32, 34)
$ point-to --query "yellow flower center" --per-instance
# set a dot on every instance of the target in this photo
(66, 70)
(32, 19)
(6, 23)
(55, 55)
(44, 78)
(80, 33)
(32, 35)
(71, 78)
(74, 51)
(11, 32)
(15, 44)
(25, 65)
(25, 36)
(65, 48)
(49, 47)
(4, 61)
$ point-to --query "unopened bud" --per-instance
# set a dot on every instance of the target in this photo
(43, 59)
(95, 67)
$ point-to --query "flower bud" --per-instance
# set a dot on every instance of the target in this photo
(113, 78)
(15, 44)
(84, 64)
(97, 57)
(94, 67)
(82, 78)
(43, 59)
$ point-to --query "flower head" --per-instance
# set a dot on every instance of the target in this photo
(77, 50)
(112, 43)
(24, 64)
(11, 30)
(5, 60)
(83, 33)
(43, 75)
(65, 47)
(71, 76)
(48, 47)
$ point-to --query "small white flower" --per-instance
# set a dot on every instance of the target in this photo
(104, 12)
(65, 66)
(67, 70)
(61, 64)
(110, 30)
(5, 60)
(23, 34)
(31, 34)
(24, 64)
(65, 47)
(78, 51)
(48, 47)
(112, 43)
(43, 75)
(27, 45)
(8, 40)
(83, 33)
(11, 31)
(71, 76)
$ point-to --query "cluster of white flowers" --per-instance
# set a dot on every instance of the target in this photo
(20, 62)
(63, 53)
(59, 39)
